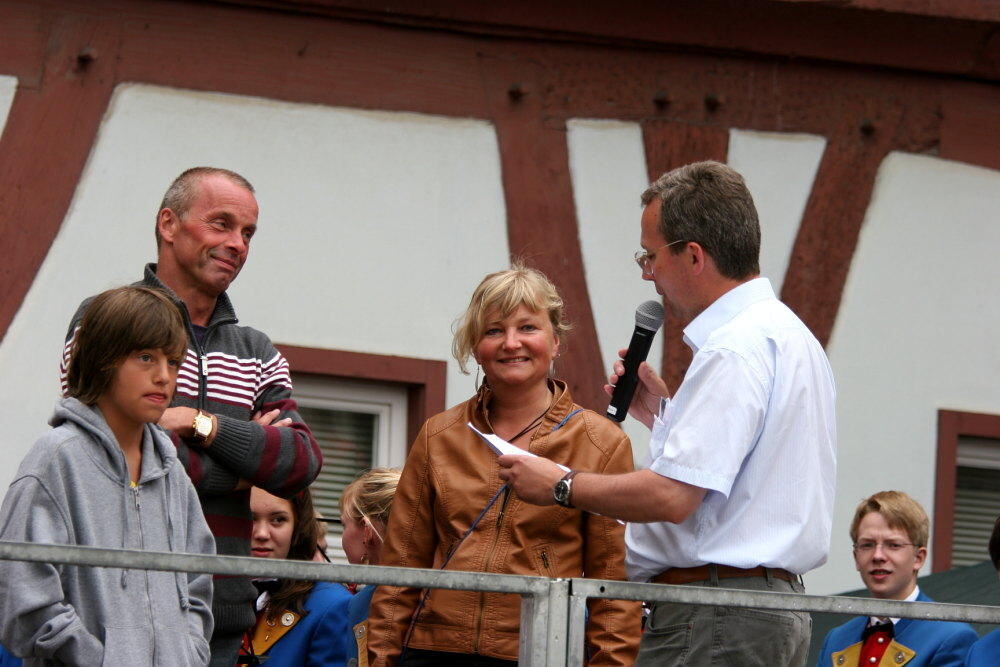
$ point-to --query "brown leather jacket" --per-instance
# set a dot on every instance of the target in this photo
(450, 476)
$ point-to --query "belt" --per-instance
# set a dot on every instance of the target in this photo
(688, 575)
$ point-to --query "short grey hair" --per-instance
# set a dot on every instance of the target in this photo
(183, 190)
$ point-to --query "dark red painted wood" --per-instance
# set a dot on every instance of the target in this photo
(51, 126)
(668, 146)
(541, 218)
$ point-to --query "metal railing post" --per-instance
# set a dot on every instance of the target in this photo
(576, 642)
(544, 625)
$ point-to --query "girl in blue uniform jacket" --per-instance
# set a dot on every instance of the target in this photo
(298, 622)
(364, 513)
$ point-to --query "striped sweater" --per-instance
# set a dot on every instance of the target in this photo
(236, 373)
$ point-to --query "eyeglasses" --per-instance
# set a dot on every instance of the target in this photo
(644, 257)
(868, 546)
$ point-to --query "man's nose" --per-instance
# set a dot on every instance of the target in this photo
(237, 241)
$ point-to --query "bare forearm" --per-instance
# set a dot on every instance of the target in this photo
(639, 497)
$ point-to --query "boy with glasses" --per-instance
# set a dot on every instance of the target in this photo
(889, 532)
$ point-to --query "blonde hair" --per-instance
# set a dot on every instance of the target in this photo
(899, 510)
(504, 291)
(369, 497)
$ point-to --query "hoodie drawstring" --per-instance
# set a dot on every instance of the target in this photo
(182, 597)
(126, 491)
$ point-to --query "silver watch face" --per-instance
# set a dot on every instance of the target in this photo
(561, 492)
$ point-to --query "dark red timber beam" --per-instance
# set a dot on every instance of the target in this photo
(670, 145)
(65, 65)
(527, 84)
(541, 216)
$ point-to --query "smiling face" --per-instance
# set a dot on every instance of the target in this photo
(141, 389)
(886, 558)
(273, 523)
(209, 245)
(517, 350)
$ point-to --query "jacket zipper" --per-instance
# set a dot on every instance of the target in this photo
(489, 562)
(544, 555)
(145, 573)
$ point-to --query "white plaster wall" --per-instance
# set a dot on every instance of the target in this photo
(607, 165)
(374, 229)
(916, 333)
(8, 86)
(779, 169)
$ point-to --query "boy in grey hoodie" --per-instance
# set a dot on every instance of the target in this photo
(107, 476)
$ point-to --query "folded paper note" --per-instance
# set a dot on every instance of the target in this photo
(501, 446)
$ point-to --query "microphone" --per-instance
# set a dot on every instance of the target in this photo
(648, 318)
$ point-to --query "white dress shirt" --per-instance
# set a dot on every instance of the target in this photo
(753, 423)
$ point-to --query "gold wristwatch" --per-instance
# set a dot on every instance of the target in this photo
(202, 426)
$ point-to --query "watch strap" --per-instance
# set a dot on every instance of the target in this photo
(567, 481)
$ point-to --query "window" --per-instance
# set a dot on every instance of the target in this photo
(967, 498)
(977, 499)
(358, 425)
(366, 408)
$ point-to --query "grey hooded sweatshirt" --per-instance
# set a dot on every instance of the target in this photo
(73, 488)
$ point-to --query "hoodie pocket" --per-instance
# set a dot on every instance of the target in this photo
(127, 646)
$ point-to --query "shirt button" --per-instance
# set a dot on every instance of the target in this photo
(881, 640)
(872, 660)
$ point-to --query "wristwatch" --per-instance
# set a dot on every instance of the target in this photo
(563, 488)
(202, 426)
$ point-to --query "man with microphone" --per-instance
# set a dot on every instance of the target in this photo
(738, 491)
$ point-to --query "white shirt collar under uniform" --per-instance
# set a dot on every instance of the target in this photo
(912, 597)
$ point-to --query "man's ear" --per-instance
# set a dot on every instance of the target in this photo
(166, 224)
(699, 258)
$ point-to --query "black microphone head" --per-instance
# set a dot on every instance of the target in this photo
(649, 315)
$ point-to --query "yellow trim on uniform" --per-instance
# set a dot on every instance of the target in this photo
(895, 655)
(361, 637)
(267, 633)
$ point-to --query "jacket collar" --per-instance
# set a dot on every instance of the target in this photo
(562, 404)
(223, 313)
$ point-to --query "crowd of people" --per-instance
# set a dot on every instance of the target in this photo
(178, 432)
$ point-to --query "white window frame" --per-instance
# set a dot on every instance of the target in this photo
(385, 400)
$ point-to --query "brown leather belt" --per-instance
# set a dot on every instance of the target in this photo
(688, 575)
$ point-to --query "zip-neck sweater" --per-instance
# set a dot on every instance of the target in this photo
(234, 373)
(74, 488)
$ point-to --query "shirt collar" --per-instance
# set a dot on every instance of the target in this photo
(912, 597)
(725, 308)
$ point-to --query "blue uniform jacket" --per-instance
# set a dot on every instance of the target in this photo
(916, 644)
(322, 636)
(985, 652)
(357, 612)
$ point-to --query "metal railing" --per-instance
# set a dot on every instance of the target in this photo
(552, 610)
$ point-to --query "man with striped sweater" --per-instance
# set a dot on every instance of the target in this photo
(233, 418)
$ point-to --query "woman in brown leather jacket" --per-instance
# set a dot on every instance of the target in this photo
(512, 328)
